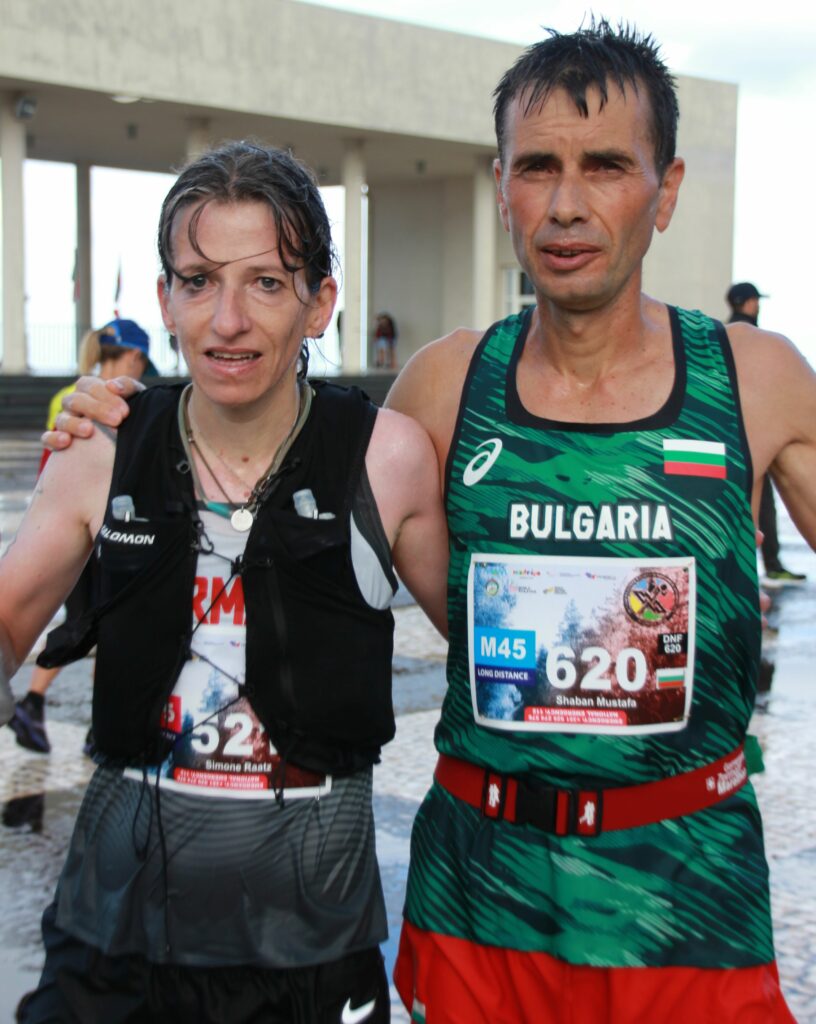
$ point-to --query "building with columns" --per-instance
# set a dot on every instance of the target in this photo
(398, 114)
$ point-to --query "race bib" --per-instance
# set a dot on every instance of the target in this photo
(600, 645)
(221, 748)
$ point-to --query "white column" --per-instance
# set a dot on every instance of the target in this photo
(12, 155)
(82, 286)
(198, 136)
(484, 244)
(354, 340)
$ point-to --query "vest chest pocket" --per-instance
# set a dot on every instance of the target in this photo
(308, 549)
(127, 550)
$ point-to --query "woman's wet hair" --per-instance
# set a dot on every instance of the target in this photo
(249, 172)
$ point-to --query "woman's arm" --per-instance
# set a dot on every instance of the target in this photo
(52, 544)
(404, 475)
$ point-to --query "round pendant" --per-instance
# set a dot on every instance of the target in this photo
(241, 519)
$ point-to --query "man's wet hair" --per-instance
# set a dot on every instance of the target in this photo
(249, 172)
(594, 56)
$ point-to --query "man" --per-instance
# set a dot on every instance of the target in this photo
(590, 850)
(222, 867)
(743, 299)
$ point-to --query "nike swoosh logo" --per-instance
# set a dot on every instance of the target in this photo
(481, 463)
(358, 1014)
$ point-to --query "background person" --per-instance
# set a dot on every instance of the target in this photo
(120, 348)
(743, 300)
(385, 342)
(222, 867)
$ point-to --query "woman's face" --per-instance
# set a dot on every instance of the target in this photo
(239, 315)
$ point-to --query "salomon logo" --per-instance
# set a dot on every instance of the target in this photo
(116, 537)
(481, 463)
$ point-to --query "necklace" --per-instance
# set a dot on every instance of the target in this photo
(200, 440)
(243, 517)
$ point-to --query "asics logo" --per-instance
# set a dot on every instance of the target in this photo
(481, 463)
(358, 1014)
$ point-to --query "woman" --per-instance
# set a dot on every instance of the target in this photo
(385, 342)
(222, 866)
(120, 348)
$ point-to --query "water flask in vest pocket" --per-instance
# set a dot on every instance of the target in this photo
(123, 509)
(306, 506)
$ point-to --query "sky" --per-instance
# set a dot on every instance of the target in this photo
(767, 49)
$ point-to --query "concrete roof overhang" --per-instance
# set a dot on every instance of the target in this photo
(83, 126)
(288, 73)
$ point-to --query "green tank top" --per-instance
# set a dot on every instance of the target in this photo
(604, 631)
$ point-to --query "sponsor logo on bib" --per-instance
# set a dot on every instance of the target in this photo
(650, 599)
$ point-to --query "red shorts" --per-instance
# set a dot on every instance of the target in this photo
(443, 980)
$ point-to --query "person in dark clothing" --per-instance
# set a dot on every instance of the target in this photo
(120, 347)
(222, 868)
(743, 298)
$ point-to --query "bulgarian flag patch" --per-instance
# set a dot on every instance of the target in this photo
(694, 458)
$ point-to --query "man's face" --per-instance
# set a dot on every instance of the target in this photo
(581, 196)
(240, 317)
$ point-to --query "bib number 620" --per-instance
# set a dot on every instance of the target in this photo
(630, 670)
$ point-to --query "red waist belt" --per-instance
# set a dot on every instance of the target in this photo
(589, 812)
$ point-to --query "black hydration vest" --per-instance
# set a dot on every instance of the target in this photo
(318, 657)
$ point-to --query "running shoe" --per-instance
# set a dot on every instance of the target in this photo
(782, 578)
(28, 724)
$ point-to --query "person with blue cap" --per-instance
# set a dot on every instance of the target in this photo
(119, 348)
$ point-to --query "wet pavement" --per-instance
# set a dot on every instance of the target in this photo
(39, 795)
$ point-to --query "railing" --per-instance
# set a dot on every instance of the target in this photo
(51, 351)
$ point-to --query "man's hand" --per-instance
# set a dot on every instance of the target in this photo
(94, 399)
